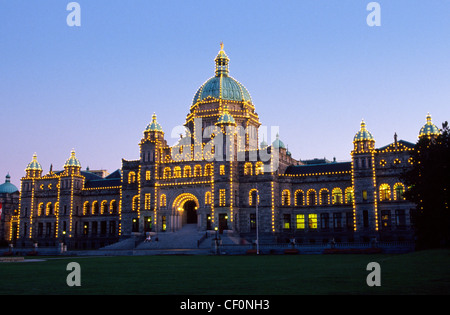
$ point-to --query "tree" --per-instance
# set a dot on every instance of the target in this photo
(428, 184)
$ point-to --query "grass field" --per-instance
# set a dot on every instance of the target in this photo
(425, 272)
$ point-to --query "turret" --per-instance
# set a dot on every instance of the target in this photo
(429, 130)
(34, 169)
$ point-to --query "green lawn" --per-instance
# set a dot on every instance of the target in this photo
(424, 272)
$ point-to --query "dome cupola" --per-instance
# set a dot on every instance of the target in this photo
(72, 165)
(154, 126)
(429, 129)
(7, 187)
(34, 169)
(222, 86)
(363, 133)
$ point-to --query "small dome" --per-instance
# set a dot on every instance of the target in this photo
(7, 187)
(72, 161)
(226, 118)
(278, 143)
(363, 133)
(429, 129)
(263, 144)
(34, 164)
(154, 125)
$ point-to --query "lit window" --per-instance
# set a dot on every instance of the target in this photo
(349, 195)
(248, 168)
(336, 195)
(259, 168)
(197, 170)
(222, 169)
(167, 172)
(312, 221)
(147, 201)
(222, 197)
(399, 189)
(177, 172)
(187, 171)
(300, 220)
(385, 192)
(147, 175)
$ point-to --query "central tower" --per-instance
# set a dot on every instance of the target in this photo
(223, 95)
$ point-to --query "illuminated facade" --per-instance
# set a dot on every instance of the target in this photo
(215, 177)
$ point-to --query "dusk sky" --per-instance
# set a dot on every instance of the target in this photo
(314, 69)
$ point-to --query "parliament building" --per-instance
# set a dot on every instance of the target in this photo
(220, 176)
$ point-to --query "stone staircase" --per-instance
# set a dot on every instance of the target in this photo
(186, 238)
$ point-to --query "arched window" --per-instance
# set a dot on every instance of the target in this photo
(311, 197)
(208, 170)
(324, 196)
(349, 195)
(95, 207)
(299, 195)
(385, 192)
(41, 209)
(259, 168)
(86, 208)
(253, 197)
(248, 168)
(135, 203)
(208, 198)
(131, 177)
(399, 189)
(187, 171)
(167, 172)
(162, 201)
(336, 196)
(104, 207)
(177, 172)
(197, 170)
(48, 208)
(286, 198)
(113, 207)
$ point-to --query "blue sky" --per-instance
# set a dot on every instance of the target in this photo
(313, 68)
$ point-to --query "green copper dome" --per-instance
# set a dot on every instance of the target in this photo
(72, 161)
(277, 143)
(154, 125)
(363, 133)
(222, 86)
(429, 129)
(34, 164)
(7, 187)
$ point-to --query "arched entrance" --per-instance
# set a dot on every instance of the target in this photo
(185, 207)
(190, 209)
